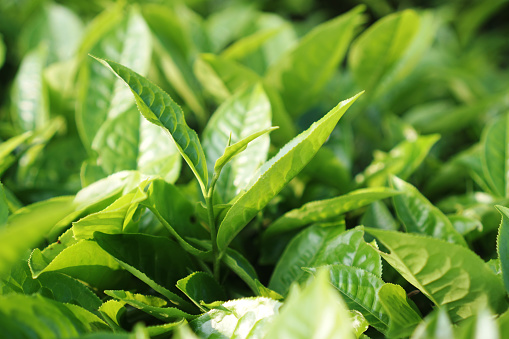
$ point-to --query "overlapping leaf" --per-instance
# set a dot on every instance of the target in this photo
(277, 172)
(158, 108)
(448, 274)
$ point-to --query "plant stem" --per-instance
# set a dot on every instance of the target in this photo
(209, 198)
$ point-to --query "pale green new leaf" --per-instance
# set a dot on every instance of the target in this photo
(503, 244)
(403, 318)
(418, 215)
(319, 246)
(236, 318)
(222, 77)
(101, 95)
(240, 118)
(301, 75)
(317, 311)
(112, 311)
(449, 275)
(277, 172)
(29, 96)
(481, 326)
(27, 228)
(84, 260)
(359, 290)
(401, 161)
(173, 30)
(436, 325)
(150, 304)
(232, 150)
(113, 219)
(495, 155)
(24, 316)
(158, 108)
(380, 47)
(201, 288)
(322, 210)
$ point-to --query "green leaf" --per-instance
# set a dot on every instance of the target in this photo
(52, 285)
(317, 311)
(236, 318)
(420, 216)
(57, 27)
(149, 304)
(301, 75)
(494, 155)
(158, 108)
(143, 256)
(112, 311)
(240, 118)
(102, 96)
(378, 216)
(35, 316)
(222, 77)
(436, 325)
(177, 217)
(359, 290)
(28, 227)
(378, 49)
(481, 325)
(174, 48)
(29, 94)
(321, 210)
(277, 172)
(201, 287)
(233, 150)
(503, 244)
(84, 260)
(449, 275)
(401, 161)
(465, 224)
(113, 219)
(318, 246)
(403, 318)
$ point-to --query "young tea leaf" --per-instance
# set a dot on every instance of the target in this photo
(317, 311)
(158, 108)
(403, 318)
(277, 172)
(420, 216)
(321, 210)
(359, 289)
(201, 287)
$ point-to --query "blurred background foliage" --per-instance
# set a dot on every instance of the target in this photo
(435, 74)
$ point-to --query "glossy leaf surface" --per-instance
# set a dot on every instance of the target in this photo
(236, 318)
(238, 118)
(403, 317)
(277, 172)
(319, 246)
(418, 215)
(503, 244)
(448, 274)
(143, 255)
(159, 108)
(316, 311)
(359, 289)
(322, 210)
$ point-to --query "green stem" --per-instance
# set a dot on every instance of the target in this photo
(209, 198)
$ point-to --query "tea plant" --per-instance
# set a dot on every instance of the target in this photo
(387, 216)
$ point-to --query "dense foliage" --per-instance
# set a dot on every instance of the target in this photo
(292, 174)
